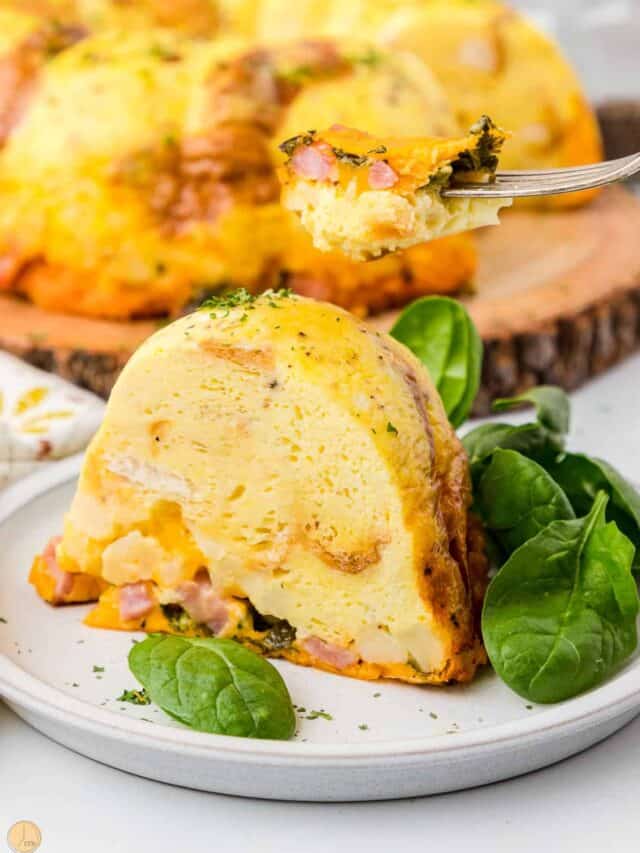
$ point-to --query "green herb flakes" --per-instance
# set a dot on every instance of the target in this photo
(135, 697)
(289, 145)
(316, 715)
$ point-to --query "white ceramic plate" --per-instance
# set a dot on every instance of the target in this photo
(373, 740)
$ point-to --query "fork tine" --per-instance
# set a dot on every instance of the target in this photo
(555, 174)
(569, 170)
(549, 182)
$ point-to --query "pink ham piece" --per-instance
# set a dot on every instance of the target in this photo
(135, 601)
(64, 580)
(381, 176)
(315, 162)
(333, 655)
(203, 604)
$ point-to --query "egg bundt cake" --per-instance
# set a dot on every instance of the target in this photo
(272, 471)
(366, 196)
(137, 138)
(139, 168)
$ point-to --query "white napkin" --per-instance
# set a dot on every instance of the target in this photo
(42, 418)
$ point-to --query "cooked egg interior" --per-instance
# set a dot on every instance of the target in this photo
(369, 224)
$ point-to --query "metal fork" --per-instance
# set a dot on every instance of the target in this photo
(549, 181)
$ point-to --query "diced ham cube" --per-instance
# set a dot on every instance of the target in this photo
(64, 580)
(315, 162)
(381, 176)
(335, 656)
(135, 601)
(203, 604)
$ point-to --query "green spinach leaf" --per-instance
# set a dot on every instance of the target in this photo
(552, 408)
(543, 440)
(517, 499)
(582, 477)
(439, 331)
(530, 440)
(560, 615)
(214, 686)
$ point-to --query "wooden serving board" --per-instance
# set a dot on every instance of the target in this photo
(557, 300)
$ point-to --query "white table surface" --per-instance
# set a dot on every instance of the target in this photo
(588, 803)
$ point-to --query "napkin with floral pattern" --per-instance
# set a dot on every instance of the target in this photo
(42, 418)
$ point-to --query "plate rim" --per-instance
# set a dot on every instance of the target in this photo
(612, 699)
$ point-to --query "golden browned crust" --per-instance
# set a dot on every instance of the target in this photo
(258, 360)
(20, 68)
(461, 670)
(198, 179)
(59, 288)
(455, 575)
(351, 563)
(442, 266)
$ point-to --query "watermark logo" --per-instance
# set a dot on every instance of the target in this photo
(24, 837)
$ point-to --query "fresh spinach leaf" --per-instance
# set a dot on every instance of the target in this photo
(530, 440)
(214, 686)
(439, 331)
(560, 616)
(552, 408)
(582, 477)
(517, 499)
(543, 440)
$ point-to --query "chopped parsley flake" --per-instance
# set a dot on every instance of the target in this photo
(391, 428)
(433, 716)
(3, 620)
(230, 299)
(289, 145)
(314, 715)
(376, 695)
(370, 58)
(349, 157)
(159, 51)
(241, 298)
(363, 727)
(136, 697)
(296, 76)
(98, 668)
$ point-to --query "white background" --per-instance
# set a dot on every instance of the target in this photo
(601, 37)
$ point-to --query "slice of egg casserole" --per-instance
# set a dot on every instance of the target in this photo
(271, 470)
(366, 196)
